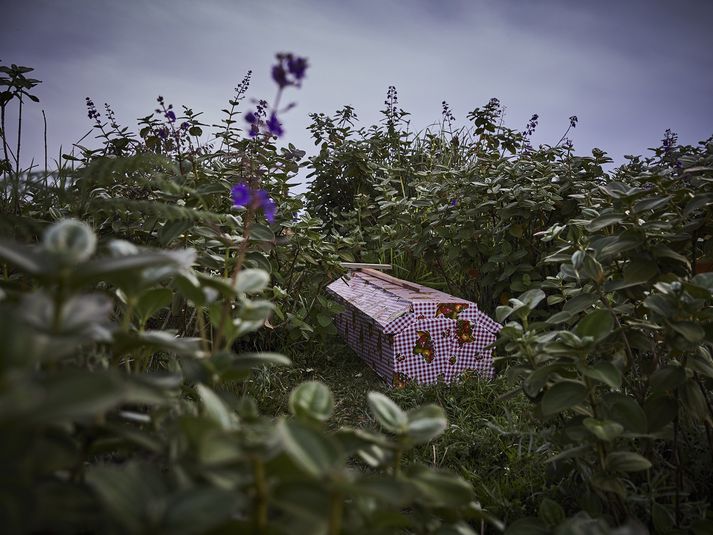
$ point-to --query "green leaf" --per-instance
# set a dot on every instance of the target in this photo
(215, 409)
(387, 413)
(151, 301)
(312, 400)
(597, 324)
(527, 526)
(22, 257)
(629, 414)
(532, 298)
(245, 361)
(440, 489)
(561, 396)
(663, 305)
(426, 423)
(626, 461)
(691, 331)
(260, 232)
(199, 510)
(604, 220)
(559, 317)
(605, 430)
(313, 451)
(394, 492)
(605, 372)
(252, 280)
(550, 512)
(667, 378)
(127, 492)
(660, 411)
(580, 303)
(651, 203)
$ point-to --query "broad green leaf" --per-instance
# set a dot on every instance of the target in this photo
(630, 415)
(691, 331)
(313, 451)
(22, 257)
(604, 220)
(388, 413)
(550, 512)
(253, 360)
(532, 298)
(536, 381)
(426, 423)
(626, 461)
(127, 492)
(561, 396)
(151, 301)
(394, 492)
(693, 401)
(605, 372)
(260, 232)
(312, 400)
(663, 305)
(660, 411)
(198, 510)
(605, 430)
(215, 409)
(597, 324)
(439, 488)
(667, 378)
(580, 303)
(252, 280)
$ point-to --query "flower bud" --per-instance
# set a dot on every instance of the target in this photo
(71, 241)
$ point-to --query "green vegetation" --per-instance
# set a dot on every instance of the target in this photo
(168, 361)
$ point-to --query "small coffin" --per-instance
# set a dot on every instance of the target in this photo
(409, 332)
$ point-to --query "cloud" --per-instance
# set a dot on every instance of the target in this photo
(627, 69)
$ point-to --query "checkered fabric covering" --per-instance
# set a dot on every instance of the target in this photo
(413, 333)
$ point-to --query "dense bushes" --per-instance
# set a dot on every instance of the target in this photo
(128, 344)
(610, 333)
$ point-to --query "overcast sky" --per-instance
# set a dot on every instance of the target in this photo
(627, 69)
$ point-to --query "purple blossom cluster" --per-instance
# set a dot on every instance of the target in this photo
(243, 195)
(289, 71)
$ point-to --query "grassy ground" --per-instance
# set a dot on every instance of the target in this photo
(484, 441)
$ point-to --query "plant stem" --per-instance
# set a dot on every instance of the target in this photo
(336, 506)
(260, 496)
(242, 250)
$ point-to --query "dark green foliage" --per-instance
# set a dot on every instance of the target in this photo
(144, 385)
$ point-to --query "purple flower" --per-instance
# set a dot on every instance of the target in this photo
(297, 66)
(171, 116)
(240, 194)
(268, 206)
(454, 202)
(250, 117)
(185, 125)
(573, 121)
(254, 131)
(274, 126)
(280, 75)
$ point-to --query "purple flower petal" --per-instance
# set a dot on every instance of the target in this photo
(297, 67)
(240, 194)
(171, 116)
(250, 117)
(280, 76)
(268, 206)
(274, 126)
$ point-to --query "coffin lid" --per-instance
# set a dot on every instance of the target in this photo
(395, 304)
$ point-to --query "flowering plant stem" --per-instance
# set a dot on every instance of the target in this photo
(240, 259)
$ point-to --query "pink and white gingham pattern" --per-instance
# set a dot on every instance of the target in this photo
(382, 324)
